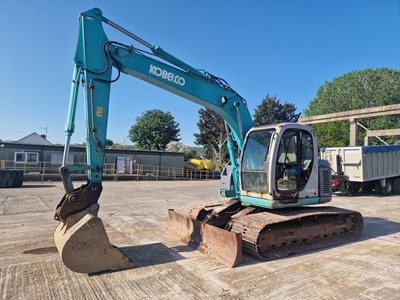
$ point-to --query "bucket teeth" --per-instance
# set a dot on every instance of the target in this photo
(84, 246)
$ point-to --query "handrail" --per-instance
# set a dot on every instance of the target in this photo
(42, 169)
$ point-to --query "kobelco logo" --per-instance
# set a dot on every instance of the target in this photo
(167, 75)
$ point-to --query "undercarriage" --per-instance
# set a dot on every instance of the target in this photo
(262, 233)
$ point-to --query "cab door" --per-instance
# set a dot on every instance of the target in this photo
(294, 161)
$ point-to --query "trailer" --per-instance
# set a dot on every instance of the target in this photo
(368, 168)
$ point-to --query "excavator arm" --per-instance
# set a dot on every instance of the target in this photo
(96, 55)
(94, 60)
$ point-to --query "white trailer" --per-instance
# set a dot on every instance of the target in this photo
(365, 167)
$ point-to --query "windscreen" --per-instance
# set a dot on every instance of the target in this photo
(254, 167)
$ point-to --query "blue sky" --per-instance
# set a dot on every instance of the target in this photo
(286, 48)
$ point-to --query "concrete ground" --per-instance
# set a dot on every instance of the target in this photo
(135, 215)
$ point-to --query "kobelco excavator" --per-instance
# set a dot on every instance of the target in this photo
(273, 175)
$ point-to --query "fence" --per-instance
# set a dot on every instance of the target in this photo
(50, 171)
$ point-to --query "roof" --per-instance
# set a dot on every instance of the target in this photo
(34, 139)
(380, 148)
(368, 149)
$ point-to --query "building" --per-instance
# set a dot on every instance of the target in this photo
(36, 155)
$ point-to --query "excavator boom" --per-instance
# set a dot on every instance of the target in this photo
(80, 228)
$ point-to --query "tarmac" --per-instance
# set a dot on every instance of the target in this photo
(135, 217)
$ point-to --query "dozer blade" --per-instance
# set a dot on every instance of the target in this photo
(85, 248)
(222, 245)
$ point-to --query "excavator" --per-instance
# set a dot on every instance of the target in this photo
(271, 186)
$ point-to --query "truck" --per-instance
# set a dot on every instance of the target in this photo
(271, 189)
(367, 168)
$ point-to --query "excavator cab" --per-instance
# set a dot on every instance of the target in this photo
(280, 162)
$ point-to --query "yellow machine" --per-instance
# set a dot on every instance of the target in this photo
(199, 164)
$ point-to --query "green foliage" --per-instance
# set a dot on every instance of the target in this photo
(355, 90)
(211, 135)
(153, 130)
(271, 111)
(109, 143)
(199, 152)
(176, 146)
(118, 146)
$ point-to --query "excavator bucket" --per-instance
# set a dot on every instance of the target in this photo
(220, 244)
(84, 246)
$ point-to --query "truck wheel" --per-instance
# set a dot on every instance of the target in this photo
(352, 189)
(396, 186)
(378, 188)
(388, 189)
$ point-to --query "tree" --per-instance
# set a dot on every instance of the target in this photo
(153, 130)
(271, 111)
(211, 135)
(177, 146)
(355, 90)
(109, 143)
(118, 146)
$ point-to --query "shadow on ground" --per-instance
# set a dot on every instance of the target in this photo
(34, 186)
(376, 227)
(361, 194)
(373, 228)
(152, 254)
(155, 254)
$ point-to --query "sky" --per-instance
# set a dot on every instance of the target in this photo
(284, 48)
